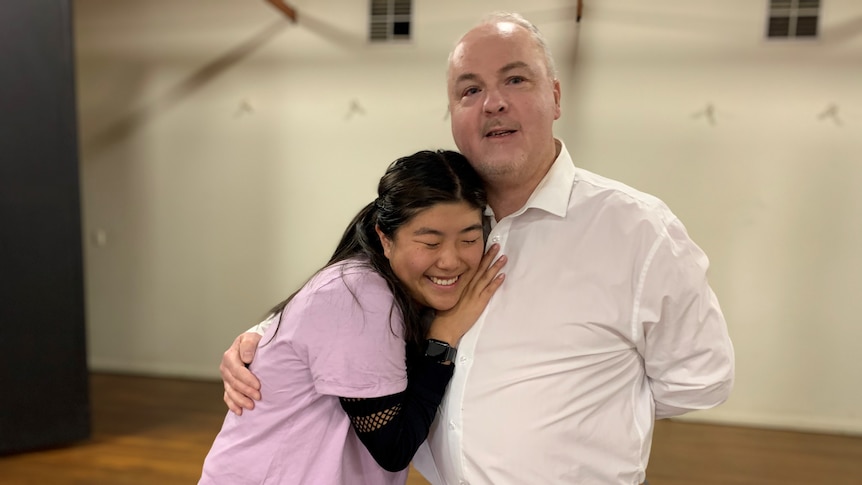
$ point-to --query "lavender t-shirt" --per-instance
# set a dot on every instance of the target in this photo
(338, 337)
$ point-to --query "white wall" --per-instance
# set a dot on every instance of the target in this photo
(220, 160)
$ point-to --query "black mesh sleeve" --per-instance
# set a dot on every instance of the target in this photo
(392, 427)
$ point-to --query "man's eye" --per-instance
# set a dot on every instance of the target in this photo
(431, 245)
(471, 241)
(470, 91)
(516, 80)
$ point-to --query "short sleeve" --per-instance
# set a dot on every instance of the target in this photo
(350, 333)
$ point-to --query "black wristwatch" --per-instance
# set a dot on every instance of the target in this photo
(440, 351)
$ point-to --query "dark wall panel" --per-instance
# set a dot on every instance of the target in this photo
(43, 372)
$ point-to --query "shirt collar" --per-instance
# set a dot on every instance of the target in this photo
(554, 191)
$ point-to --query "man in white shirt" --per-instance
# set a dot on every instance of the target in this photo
(606, 321)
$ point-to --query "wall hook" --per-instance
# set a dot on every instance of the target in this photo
(245, 108)
(354, 109)
(831, 112)
(707, 113)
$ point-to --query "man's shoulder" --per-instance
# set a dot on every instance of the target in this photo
(610, 186)
(618, 197)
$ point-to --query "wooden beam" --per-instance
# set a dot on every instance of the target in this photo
(284, 8)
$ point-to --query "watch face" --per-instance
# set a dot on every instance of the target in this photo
(435, 350)
(440, 351)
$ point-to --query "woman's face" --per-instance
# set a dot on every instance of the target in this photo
(437, 252)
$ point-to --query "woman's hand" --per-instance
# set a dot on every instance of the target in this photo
(450, 325)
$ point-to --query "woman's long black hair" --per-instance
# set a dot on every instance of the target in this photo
(410, 185)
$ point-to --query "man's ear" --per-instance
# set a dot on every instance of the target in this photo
(384, 241)
(557, 95)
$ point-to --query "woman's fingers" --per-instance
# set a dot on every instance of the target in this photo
(488, 277)
(489, 267)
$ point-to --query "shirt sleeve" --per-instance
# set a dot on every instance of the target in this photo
(393, 427)
(350, 334)
(688, 355)
(261, 327)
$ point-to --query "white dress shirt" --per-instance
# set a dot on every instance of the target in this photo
(605, 323)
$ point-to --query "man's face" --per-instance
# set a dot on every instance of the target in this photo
(503, 103)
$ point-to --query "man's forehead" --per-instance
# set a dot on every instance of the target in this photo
(477, 62)
(504, 35)
(501, 30)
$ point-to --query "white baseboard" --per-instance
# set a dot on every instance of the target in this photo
(787, 422)
(156, 369)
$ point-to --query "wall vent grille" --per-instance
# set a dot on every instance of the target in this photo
(793, 18)
(390, 20)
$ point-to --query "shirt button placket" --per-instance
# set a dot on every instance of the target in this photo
(498, 235)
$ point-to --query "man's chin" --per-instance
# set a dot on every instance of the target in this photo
(494, 166)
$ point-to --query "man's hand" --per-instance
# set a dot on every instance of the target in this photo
(241, 387)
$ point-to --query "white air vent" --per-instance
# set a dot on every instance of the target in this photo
(390, 20)
(793, 18)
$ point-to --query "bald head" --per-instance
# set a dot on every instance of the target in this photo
(506, 23)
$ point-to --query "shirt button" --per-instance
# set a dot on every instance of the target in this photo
(495, 239)
(451, 424)
(463, 359)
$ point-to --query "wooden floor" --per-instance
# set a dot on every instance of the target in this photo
(157, 431)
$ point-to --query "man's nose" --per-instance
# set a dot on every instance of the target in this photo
(495, 102)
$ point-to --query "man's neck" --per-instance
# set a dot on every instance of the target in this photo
(507, 196)
(505, 201)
